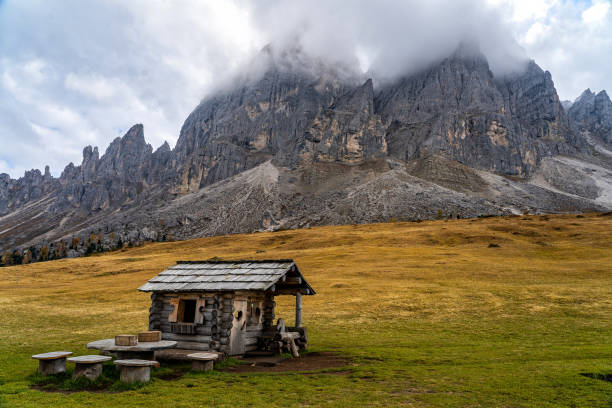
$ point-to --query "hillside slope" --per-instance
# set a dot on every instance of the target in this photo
(428, 313)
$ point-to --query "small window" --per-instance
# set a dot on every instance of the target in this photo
(187, 310)
(238, 315)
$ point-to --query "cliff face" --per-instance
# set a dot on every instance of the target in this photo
(460, 110)
(31, 187)
(292, 116)
(127, 169)
(326, 142)
(592, 113)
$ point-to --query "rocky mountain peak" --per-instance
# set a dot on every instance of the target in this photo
(90, 154)
(585, 96)
(592, 114)
(164, 148)
(133, 141)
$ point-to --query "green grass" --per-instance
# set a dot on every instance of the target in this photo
(427, 314)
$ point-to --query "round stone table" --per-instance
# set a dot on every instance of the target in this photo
(141, 351)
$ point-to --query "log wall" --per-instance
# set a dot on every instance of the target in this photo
(213, 319)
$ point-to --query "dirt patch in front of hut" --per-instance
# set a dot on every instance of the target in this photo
(305, 363)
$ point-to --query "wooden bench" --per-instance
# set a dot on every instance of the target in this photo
(202, 361)
(88, 366)
(136, 370)
(52, 363)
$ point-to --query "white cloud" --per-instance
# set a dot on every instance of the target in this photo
(596, 14)
(525, 10)
(535, 33)
(92, 85)
(92, 69)
(35, 70)
(571, 39)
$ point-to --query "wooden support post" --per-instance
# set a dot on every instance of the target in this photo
(298, 309)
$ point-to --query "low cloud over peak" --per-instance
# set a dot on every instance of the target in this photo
(390, 38)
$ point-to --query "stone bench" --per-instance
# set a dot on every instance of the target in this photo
(88, 366)
(202, 361)
(52, 363)
(136, 370)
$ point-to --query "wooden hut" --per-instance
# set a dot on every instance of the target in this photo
(227, 306)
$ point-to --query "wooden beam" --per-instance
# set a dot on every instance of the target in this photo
(291, 291)
(298, 310)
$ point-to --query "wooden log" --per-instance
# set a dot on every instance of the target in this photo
(293, 348)
(135, 374)
(303, 339)
(192, 345)
(89, 371)
(224, 332)
(52, 367)
(298, 309)
(197, 365)
(252, 334)
(186, 337)
(251, 340)
(280, 325)
(210, 315)
(149, 336)
(126, 340)
(207, 331)
(287, 335)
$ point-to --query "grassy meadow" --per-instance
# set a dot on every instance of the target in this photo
(429, 314)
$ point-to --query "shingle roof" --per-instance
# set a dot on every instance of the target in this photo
(189, 276)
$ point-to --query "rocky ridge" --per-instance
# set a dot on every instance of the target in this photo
(302, 143)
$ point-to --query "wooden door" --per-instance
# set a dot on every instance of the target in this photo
(239, 327)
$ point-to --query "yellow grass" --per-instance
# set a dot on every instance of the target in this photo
(430, 312)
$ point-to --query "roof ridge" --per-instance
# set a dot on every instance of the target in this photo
(235, 261)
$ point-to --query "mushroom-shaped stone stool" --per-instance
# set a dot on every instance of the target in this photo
(88, 366)
(136, 370)
(53, 362)
(202, 361)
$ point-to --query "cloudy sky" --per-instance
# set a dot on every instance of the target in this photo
(76, 73)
